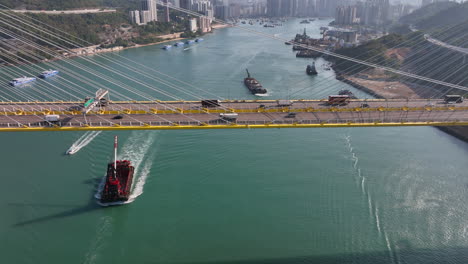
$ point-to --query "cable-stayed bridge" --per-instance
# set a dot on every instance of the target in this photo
(176, 115)
(137, 93)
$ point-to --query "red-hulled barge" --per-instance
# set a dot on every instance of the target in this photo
(119, 180)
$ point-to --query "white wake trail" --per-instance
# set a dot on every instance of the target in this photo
(83, 141)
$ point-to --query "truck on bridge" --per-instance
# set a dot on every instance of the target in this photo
(338, 99)
(453, 99)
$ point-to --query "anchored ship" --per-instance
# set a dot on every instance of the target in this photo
(47, 74)
(20, 81)
(311, 70)
(118, 182)
(254, 86)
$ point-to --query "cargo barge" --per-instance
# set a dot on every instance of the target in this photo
(254, 86)
(118, 181)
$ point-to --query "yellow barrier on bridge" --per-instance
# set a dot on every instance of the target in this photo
(152, 111)
(145, 126)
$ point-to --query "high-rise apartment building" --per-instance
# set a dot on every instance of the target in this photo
(147, 13)
(149, 7)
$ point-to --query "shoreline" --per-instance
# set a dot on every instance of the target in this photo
(459, 132)
(92, 50)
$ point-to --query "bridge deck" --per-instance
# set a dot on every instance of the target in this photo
(27, 116)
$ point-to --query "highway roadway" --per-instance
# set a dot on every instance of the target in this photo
(179, 115)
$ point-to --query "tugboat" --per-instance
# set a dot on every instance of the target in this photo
(119, 180)
(254, 86)
(311, 70)
(348, 93)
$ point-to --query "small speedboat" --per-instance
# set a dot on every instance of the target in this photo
(167, 47)
(49, 73)
(21, 81)
(72, 150)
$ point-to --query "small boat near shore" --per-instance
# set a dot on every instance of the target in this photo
(49, 73)
(179, 44)
(167, 47)
(22, 80)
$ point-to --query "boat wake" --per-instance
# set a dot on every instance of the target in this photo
(262, 95)
(373, 207)
(138, 150)
(103, 230)
(82, 142)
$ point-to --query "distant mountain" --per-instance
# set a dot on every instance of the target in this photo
(446, 21)
(427, 12)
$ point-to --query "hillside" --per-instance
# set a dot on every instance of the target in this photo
(410, 53)
(69, 4)
(426, 12)
(446, 21)
(380, 51)
(105, 29)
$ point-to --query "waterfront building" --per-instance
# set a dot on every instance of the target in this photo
(222, 12)
(204, 24)
(193, 24)
(284, 8)
(346, 15)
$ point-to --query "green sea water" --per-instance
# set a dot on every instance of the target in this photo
(337, 195)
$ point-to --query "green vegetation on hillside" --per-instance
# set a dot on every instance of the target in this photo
(427, 12)
(375, 52)
(69, 4)
(446, 21)
(105, 29)
(86, 27)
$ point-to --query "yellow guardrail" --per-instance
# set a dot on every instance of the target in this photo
(145, 126)
(152, 111)
(221, 101)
